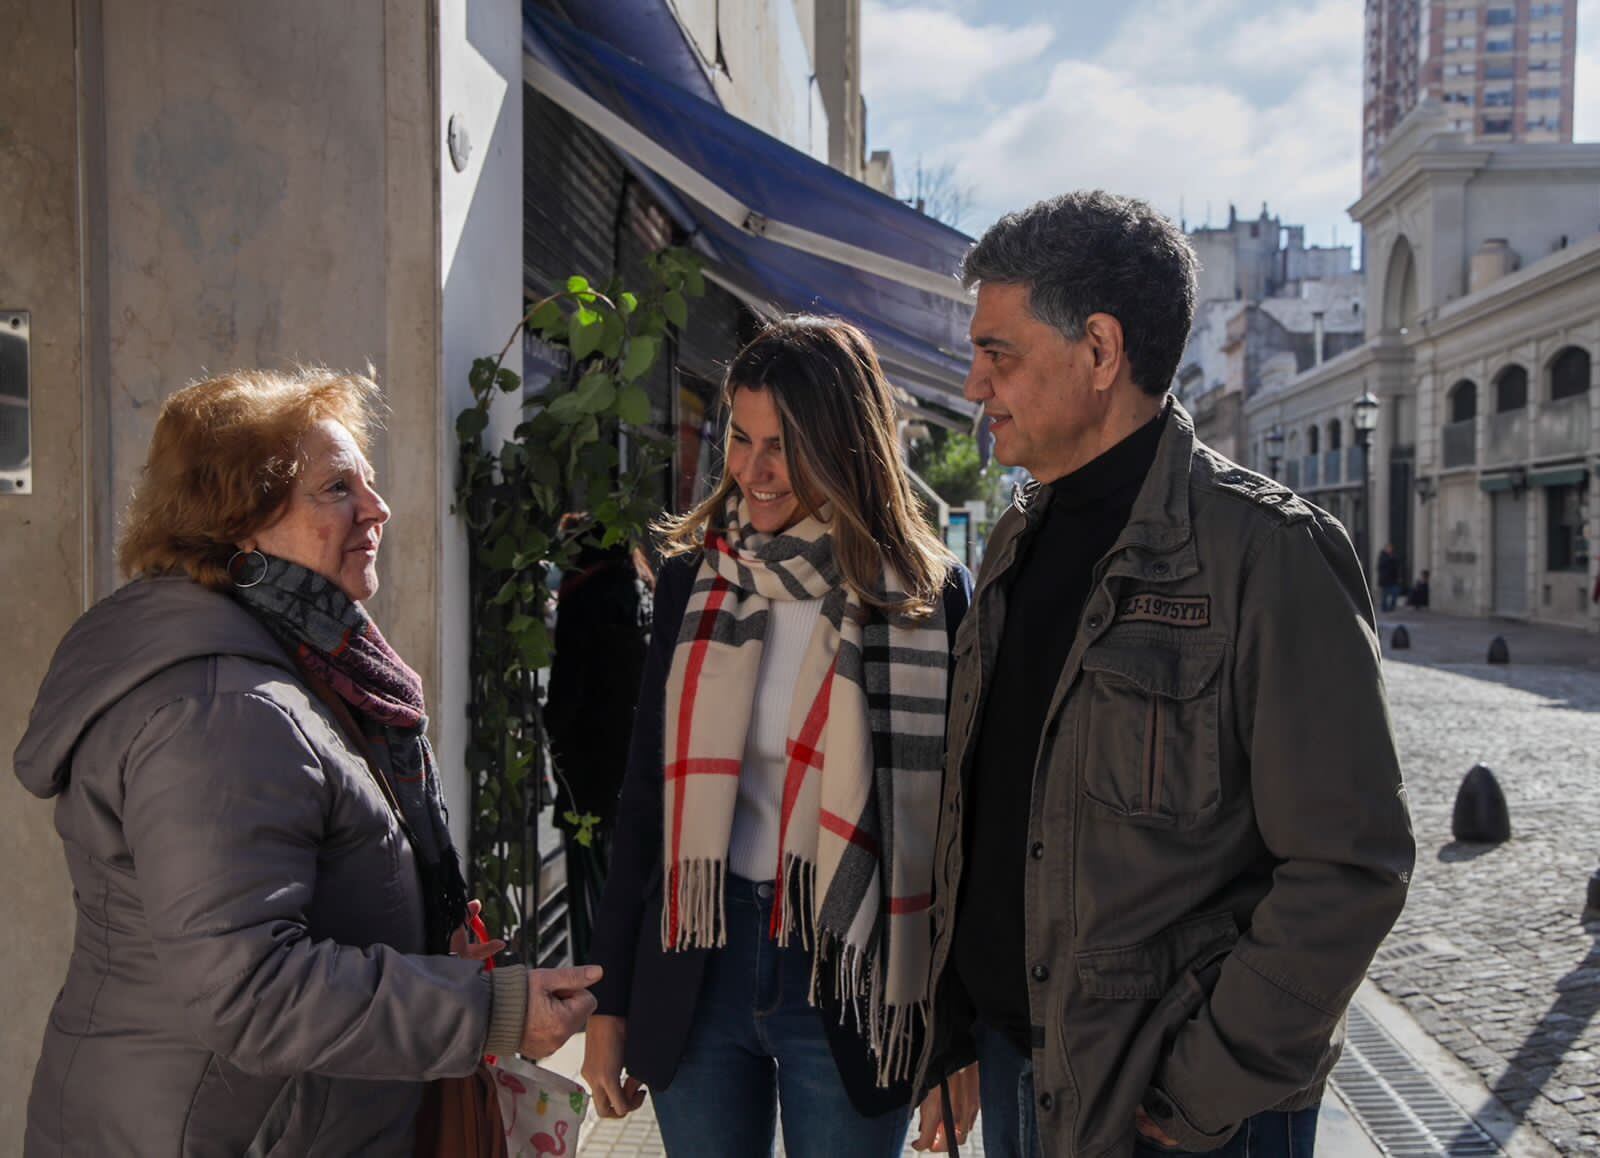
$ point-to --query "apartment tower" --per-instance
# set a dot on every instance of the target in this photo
(1503, 69)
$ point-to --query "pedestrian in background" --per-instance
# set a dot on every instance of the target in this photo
(602, 629)
(1389, 584)
(1174, 830)
(267, 896)
(765, 926)
(1421, 592)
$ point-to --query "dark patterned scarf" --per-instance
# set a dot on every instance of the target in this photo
(334, 638)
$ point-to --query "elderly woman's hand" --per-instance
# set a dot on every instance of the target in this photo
(462, 945)
(559, 1004)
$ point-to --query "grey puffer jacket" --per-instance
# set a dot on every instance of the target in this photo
(247, 973)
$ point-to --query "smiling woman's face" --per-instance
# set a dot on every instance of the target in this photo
(333, 519)
(757, 463)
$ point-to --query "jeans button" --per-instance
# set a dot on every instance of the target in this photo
(1036, 851)
(1041, 973)
(1046, 1102)
(1095, 621)
(764, 890)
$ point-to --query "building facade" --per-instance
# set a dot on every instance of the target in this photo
(1502, 69)
(1483, 336)
(204, 186)
(1265, 300)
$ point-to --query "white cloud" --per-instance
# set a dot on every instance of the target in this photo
(1189, 103)
(930, 54)
(1179, 143)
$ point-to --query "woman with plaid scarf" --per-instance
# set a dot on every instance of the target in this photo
(765, 929)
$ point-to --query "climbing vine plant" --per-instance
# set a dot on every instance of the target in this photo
(562, 456)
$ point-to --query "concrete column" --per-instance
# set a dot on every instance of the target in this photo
(41, 534)
(216, 186)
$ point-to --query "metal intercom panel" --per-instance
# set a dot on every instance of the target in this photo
(16, 451)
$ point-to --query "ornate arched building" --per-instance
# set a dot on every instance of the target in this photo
(1483, 342)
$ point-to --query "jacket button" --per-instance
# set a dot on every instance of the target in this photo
(1160, 568)
(1046, 1102)
(1095, 621)
(1041, 973)
(1036, 851)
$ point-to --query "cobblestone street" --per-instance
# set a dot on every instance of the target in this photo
(1491, 956)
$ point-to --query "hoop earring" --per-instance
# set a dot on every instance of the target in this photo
(257, 564)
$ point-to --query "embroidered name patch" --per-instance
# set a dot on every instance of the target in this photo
(1173, 610)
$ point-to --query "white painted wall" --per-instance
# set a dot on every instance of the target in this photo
(480, 267)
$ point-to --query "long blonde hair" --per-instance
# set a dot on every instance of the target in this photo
(840, 444)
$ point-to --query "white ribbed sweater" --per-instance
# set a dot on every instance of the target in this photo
(753, 845)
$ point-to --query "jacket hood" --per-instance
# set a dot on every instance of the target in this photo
(124, 640)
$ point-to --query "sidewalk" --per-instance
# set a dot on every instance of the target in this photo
(1338, 1133)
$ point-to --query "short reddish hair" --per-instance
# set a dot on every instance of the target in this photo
(224, 455)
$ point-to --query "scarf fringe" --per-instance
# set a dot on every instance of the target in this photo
(890, 1031)
(793, 915)
(698, 902)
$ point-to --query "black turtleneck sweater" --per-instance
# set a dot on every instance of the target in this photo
(1083, 515)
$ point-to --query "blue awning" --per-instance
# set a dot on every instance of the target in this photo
(782, 229)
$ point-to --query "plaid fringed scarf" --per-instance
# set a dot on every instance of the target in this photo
(335, 639)
(861, 799)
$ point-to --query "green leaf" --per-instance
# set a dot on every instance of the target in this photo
(676, 309)
(641, 353)
(577, 285)
(694, 283)
(471, 422)
(628, 303)
(567, 408)
(481, 374)
(547, 316)
(583, 338)
(615, 333)
(507, 379)
(595, 392)
(633, 405)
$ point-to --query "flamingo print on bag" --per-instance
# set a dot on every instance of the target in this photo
(544, 1144)
(515, 1085)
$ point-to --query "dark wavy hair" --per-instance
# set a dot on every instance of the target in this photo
(841, 446)
(1098, 253)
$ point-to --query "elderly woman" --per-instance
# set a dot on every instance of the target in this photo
(269, 954)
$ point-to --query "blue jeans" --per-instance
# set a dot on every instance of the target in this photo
(1005, 1091)
(1011, 1126)
(758, 1044)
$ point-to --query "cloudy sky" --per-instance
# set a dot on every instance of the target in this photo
(1190, 103)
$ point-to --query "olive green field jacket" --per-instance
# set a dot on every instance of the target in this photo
(1218, 839)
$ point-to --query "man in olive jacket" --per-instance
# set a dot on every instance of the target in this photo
(1173, 831)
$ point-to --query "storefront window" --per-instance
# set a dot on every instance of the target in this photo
(698, 443)
(1567, 511)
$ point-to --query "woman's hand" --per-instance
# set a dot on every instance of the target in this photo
(462, 944)
(963, 1108)
(559, 1003)
(614, 1097)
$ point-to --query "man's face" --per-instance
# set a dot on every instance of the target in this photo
(1035, 385)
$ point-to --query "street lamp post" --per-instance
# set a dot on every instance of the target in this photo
(1274, 445)
(1365, 420)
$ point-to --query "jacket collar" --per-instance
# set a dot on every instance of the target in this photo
(1157, 545)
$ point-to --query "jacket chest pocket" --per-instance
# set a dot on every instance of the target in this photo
(1150, 728)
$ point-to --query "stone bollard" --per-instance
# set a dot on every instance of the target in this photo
(1498, 651)
(1401, 639)
(1481, 816)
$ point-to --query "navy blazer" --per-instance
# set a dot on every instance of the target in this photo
(657, 991)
